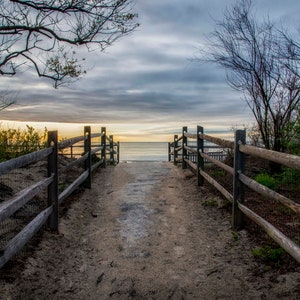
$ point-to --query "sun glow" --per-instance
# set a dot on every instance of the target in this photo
(120, 132)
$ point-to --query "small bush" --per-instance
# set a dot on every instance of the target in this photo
(290, 177)
(210, 202)
(268, 255)
(218, 173)
(266, 180)
(17, 142)
(235, 236)
(282, 209)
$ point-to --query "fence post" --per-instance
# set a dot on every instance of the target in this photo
(103, 145)
(169, 151)
(88, 161)
(184, 151)
(118, 152)
(111, 148)
(200, 160)
(238, 189)
(175, 146)
(53, 186)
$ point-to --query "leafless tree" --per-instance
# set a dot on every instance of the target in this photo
(249, 50)
(290, 52)
(43, 34)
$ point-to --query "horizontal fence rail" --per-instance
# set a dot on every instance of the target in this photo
(196, 156)
(92, 156)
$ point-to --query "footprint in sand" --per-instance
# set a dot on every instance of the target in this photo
(179, 251)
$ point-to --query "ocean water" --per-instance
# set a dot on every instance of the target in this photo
(137, 151)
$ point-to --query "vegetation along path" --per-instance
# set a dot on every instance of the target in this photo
(147, 232)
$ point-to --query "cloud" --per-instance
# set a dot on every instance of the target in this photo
(146, 78)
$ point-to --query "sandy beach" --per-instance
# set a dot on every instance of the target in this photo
(147, 231)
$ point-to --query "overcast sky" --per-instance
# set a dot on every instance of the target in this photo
(147, 82)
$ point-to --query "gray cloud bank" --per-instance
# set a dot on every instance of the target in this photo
(147, 77)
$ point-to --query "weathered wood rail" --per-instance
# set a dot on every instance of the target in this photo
(93, 156)
(181, 152)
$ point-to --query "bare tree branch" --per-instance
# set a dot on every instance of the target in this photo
(251, 53)
(6, 100)
(41, 33)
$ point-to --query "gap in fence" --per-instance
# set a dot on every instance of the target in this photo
(143, 151)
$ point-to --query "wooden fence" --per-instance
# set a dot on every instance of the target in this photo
(94, 155)
(180, 152)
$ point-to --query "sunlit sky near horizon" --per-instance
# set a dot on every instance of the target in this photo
(146, 86)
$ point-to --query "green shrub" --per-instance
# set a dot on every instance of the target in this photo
(235, 236)
(283, 209)
(217, 173)
(266, 180)
(267, 254)
(290, 177)
(210, 202)
(17, 142)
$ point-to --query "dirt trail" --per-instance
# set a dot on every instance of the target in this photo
(144, 233)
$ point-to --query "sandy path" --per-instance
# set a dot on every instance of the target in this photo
(142, 232)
